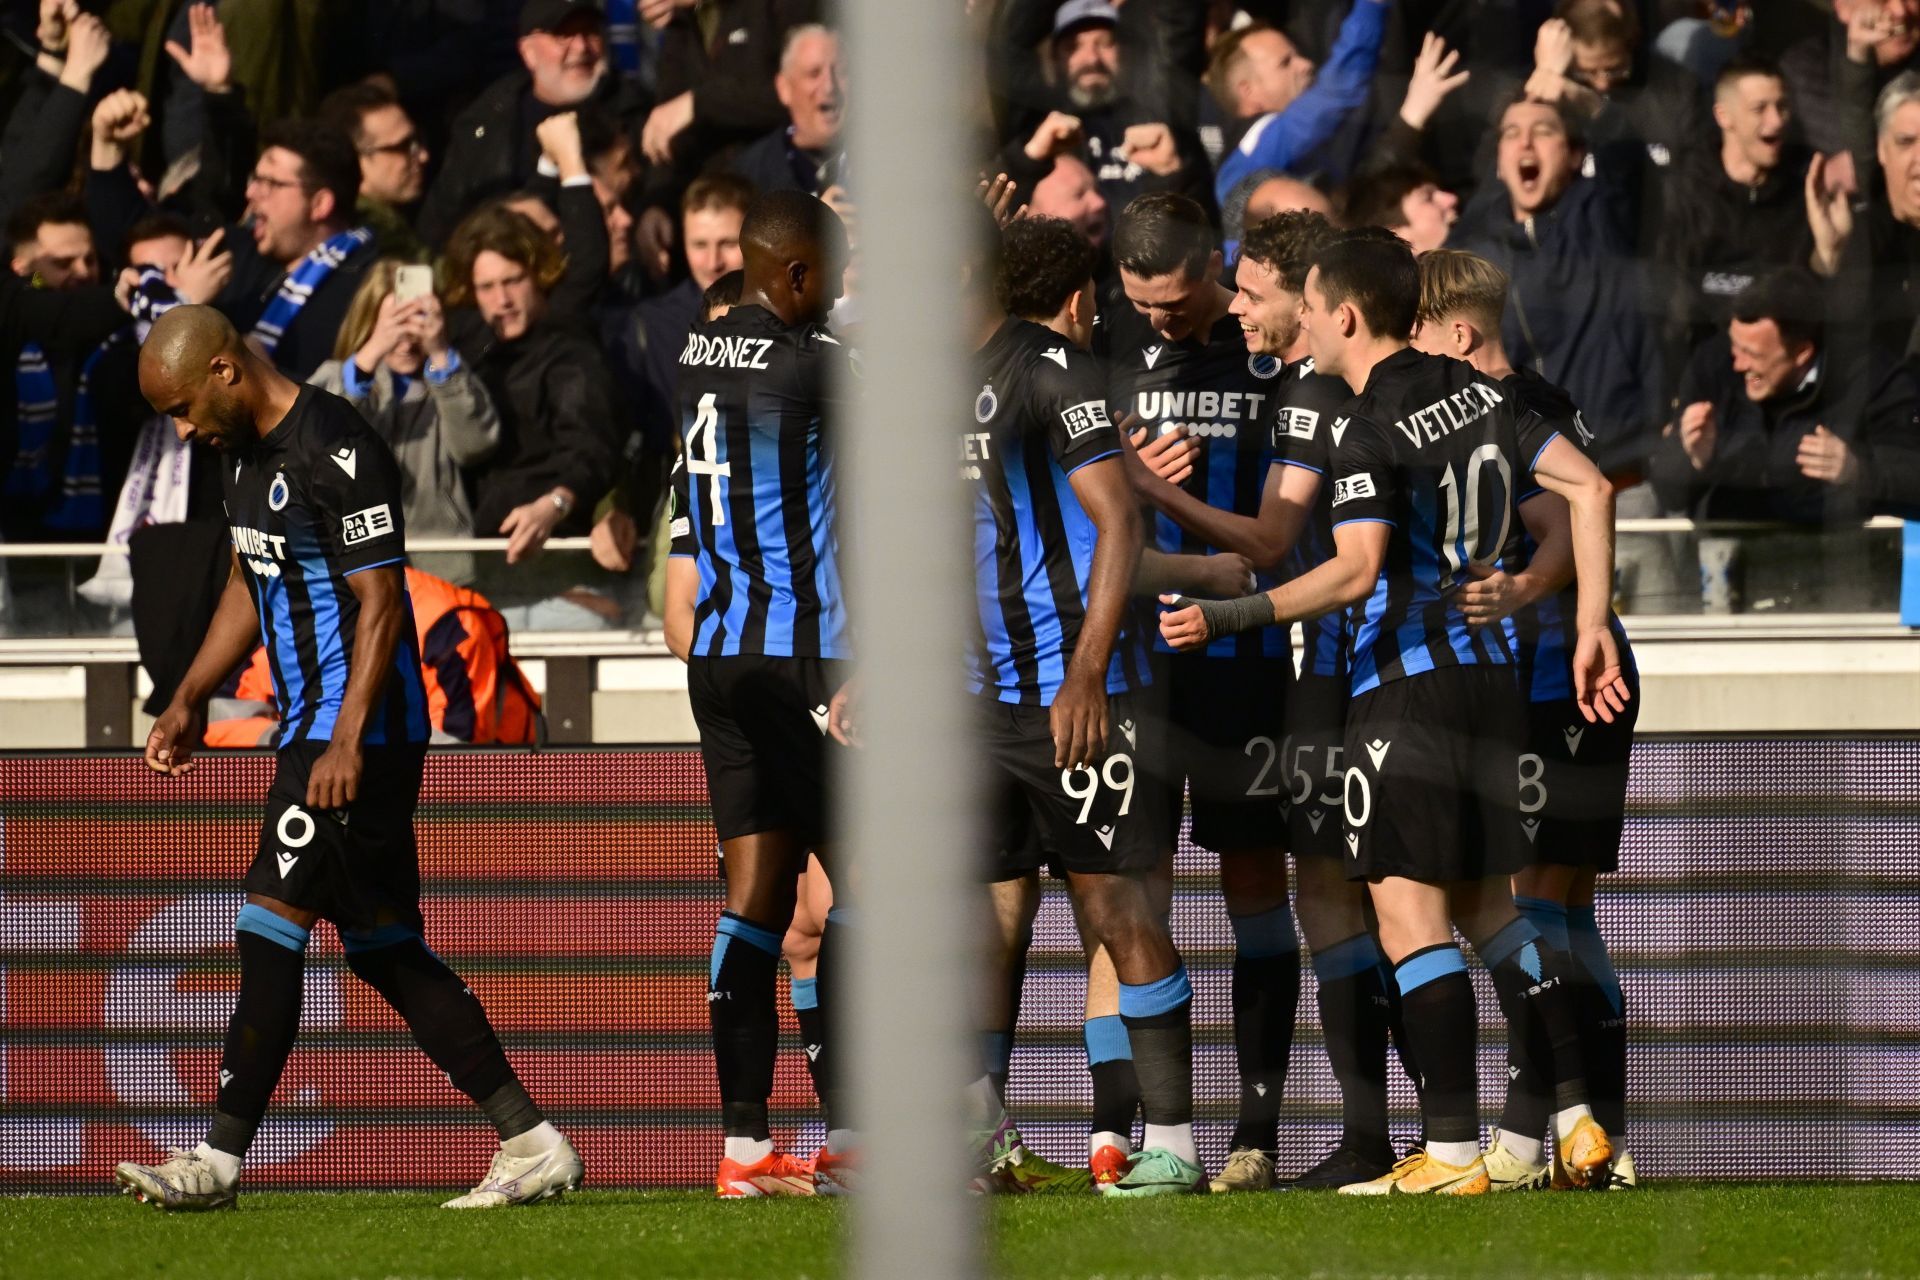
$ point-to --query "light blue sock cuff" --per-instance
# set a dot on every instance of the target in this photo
(1106, 1038)
(1347, 958)
(276, 929)
(1422, 967)
(386, 935)
(1504, 944)
(806, 993)
(1549, 917)
(1151, 999)
(1268, 934)
(732, 926)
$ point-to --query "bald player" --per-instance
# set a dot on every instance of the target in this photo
(769, 650)
(313, 497)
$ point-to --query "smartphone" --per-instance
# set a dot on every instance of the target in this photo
(410, 282)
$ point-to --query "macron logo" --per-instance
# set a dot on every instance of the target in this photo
(286, 861)
(1056, 354)
(1314, 820)
(226, 1077)
(1106, 836)
(1532, 828)
(346, 460)
(1353, 845)
(813, 1053)
(1573, 734)
(1377, 752)
(819, 715)
(1338, 429)
(1151, 355)
(1127, 732)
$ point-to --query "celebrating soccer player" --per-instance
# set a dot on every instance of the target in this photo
(1429, 459)
(1573, 777)
(313, 496)
(768, 650)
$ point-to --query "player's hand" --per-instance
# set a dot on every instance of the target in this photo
(998, 195)
(1491, 596)
(1824, 456)
(1599, 688)
(1698, 433)
(840, 715)
(335, 781)
(1151, 146)
(1224, 575)
(203, 271)
(614, 537)
(1079, 720)
(206, 60)
(1182, 625)
(528, 526)
(175, 736)
(667, 122)
(1170, 455)
(1058, 134)
(1433, 79)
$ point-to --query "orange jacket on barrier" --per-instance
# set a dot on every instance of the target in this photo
(476, 692)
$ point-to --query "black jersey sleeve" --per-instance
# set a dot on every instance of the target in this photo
(1542, 413)
(681, 541)
(1303, 421)
(1365, 484)
(356, 499)
(1071, 400)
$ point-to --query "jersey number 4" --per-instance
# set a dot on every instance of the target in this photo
(701, 449)
(1463, 541)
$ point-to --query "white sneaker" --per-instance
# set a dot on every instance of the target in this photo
(525, 1179)
(185, 1183)
(1508, 1172)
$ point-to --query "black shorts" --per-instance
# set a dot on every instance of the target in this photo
(1313, 765)
(1432, 783)
(1573, 783)
(1092, 821)
(763, 736)
(359, 866)
(1219, 724)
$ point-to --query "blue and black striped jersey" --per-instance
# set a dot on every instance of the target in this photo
(1224, 396)
(1309, 403)
(1435, 450)
(756, 401)
(1039, 416)
(316, 501)
(1544, 631)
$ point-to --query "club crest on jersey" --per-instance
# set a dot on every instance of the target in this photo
(985, 405)
(1085, 417)
(1348, 488)
(1261, 365)
(277, 492)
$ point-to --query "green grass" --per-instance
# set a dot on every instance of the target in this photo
(1671, 1231)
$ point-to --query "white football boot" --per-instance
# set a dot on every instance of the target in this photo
(525, 1179)
(186, 1183)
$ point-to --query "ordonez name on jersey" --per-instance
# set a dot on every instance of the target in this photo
(704, 351)
(1443, 417)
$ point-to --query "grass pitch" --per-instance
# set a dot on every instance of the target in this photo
(1675, 1230)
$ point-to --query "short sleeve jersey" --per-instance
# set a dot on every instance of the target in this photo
(316, 501)
(1224, 396)
(1039, 416)
(757, 399)
(1544, 632)
(1432, 449)
(1309, 403)
(680, 539)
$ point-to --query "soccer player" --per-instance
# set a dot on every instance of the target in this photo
(313, 496)
(1054, 674)
(1428, 461)
(1573, 777)
(1275, 256)
(1181, 364)
(768, 651)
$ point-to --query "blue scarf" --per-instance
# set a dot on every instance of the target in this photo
(297, 286)
(623, 35)
(82, 506)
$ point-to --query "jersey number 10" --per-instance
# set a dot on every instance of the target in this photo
(1462, 542)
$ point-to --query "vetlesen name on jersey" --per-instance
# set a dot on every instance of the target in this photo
(725, 351)
(1444, 417)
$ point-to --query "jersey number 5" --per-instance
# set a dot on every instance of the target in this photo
(1462, 542)
(701, 448)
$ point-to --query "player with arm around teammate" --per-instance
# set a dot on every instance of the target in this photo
(1428, 460)
(313, 497)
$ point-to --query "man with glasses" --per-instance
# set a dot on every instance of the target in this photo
(393, 159)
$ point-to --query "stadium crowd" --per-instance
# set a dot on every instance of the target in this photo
(1707, 216)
